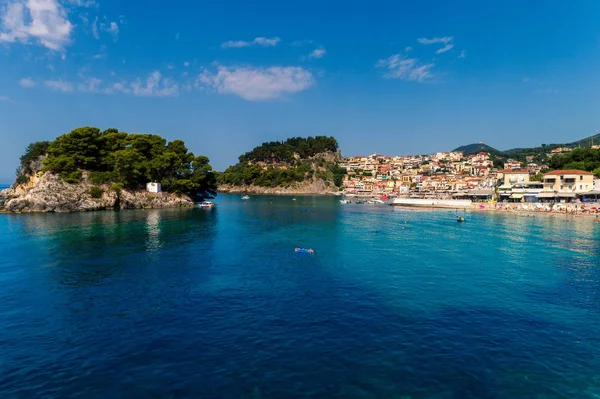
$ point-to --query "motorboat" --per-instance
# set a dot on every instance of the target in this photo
(206, 205)
(345, 201)
(245, 197)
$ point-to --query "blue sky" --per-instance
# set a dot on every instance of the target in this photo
(394, 77)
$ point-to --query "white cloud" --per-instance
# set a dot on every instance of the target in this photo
(95, 32)
(105, 26)
(113, 29)
(446, 40)
(447, 47)
(91, 85)
(434, 40)
(260, 41)
(399, 66)
(118, 87)
(256, 84)
(44, 21)
(82, 3)
(186, 64)
(407, 49)
(6, 98)
(463, 54)
(155, 85)
(27, 82)
(318, 53)
(59, 85)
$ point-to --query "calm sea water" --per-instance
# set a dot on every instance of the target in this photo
(216, 304)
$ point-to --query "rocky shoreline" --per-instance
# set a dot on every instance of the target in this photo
(49, 193)
(306, 188)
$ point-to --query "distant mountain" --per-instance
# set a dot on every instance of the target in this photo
(476, 148)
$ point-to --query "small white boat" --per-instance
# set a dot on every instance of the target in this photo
(377, 201)
(345, 201)
(206, 205)
(245, 197)
(293, 199)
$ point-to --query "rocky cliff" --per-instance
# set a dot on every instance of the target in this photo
(306, 187)
(46, 192)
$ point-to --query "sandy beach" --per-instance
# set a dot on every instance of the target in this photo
(536, 209)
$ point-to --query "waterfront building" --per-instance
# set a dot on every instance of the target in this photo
(565, 185)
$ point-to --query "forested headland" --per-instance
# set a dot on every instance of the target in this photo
(122, 160)
(286, 163)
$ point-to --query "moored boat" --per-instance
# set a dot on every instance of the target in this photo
(245, 197)
(206, 205)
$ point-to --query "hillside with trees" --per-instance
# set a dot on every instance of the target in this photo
(587, 159)
(287, 163)
(539, 154)
(123, 160)
(475, 148)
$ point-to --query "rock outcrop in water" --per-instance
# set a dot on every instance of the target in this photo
(88, 169)
(46, 192)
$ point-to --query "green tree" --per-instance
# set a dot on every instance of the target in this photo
(126, 160)
(78, 149)
(32, 153)
(537, 177)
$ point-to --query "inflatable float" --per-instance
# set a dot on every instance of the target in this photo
(304, 250)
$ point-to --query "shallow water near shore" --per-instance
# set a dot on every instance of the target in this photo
(189, 303)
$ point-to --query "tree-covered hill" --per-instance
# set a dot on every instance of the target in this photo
(587, 159)
(127, 160)
(477, 148)
(283, 163)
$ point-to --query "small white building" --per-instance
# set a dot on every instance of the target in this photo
(153, 187)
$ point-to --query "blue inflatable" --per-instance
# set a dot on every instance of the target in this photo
(304, 250)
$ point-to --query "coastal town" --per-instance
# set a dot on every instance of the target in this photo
(454, 175)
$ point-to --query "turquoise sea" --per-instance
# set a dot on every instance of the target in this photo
(215, 304)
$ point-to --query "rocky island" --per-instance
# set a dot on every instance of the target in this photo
(295, 166)
(88, 169)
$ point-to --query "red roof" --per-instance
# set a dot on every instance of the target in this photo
(569, 172)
